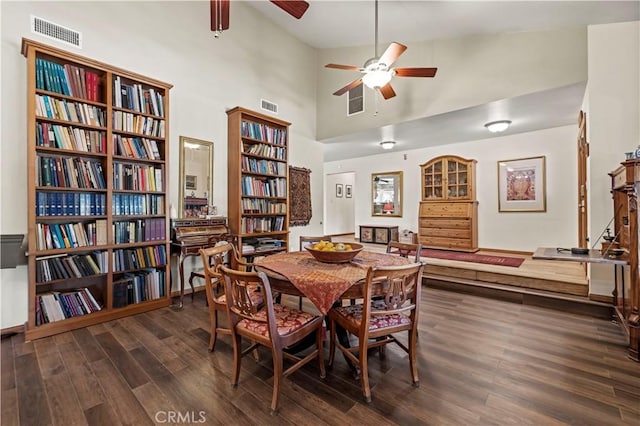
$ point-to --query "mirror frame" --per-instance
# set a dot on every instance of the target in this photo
(184, 140)
(397, 188)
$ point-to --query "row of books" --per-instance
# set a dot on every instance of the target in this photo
(63, 266)
(77, 112)
(132, 123)
(68, 80)
(74, 138)
(136, 147)
(266, 151)
(137, 177)
(250, 225)
(137, 98)
(264, 133)
(56, 306)
(67, 172)
(269, 167)
(133, 231)
(140, 287)
(137, 204)
(262, 206)
(139, 258)
(264, 188)
(70, 204)
(69, 235)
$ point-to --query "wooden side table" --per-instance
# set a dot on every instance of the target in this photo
(379, 234)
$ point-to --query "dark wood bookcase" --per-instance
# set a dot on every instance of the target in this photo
(98, 158)
(258, 176)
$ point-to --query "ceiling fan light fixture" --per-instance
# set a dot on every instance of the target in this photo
(377, 79)
(387, 144)
(498, 126)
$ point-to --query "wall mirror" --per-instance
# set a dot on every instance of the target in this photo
(196, 177)
(386, 194)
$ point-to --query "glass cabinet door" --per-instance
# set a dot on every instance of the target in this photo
(447, 178)
(432, 180)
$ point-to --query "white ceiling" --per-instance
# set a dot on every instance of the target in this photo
(335, 24)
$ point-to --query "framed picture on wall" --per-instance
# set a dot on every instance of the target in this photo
(339, 188)
(347, 191)
(191, 182)
(521, 185)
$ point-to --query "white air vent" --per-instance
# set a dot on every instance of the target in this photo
(56, 32)
(268, 106)
(355, 100)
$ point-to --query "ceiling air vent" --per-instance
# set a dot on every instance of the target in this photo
(268, 106)
(56, 32)
(355, 100)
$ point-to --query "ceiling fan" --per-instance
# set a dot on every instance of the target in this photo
(220, 12)
(377, 70)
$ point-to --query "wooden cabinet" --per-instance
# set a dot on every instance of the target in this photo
(380, 234)
(448, 212)
(97, 191)
(625, 185)
(258, 175)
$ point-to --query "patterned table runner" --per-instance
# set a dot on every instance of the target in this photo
(324, 283)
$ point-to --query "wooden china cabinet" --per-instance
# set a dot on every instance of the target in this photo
(448, 215)
(625, 186)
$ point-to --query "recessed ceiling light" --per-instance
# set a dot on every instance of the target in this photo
(498, 126)
(387, 144)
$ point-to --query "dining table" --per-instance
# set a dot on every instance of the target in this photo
(300, 274)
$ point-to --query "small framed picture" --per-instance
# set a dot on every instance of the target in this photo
(347, 191)
(339, 188)
(521, 185)
(191, 182)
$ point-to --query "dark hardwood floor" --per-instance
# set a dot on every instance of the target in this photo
(482, 361)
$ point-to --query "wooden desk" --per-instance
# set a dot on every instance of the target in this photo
(594, 256)
(299, 274)
(188, 236)
(379, 234)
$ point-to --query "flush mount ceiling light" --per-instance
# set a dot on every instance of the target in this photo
(498, 126)
(387, 144)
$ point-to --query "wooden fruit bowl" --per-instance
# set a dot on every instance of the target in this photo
(336, 256)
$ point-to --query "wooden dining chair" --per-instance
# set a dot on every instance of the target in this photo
(274, 326)
(212, 259)
(376, 322)
(405, 249)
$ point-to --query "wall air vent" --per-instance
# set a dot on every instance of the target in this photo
(355, 100)
(56, 32)
(268, 106)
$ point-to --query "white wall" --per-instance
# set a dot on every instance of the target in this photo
(613, 122)
(172, 42)
(339, 211)
(511, 231)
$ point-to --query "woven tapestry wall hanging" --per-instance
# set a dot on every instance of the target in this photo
(299, 196)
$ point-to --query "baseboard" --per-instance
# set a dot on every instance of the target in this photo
(503, 251)
(12, 330)
(601, 298)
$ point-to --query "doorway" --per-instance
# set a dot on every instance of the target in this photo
(339, 203)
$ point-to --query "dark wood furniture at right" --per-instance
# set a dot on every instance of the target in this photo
(448, 214)
(380, 234)
(625, 186)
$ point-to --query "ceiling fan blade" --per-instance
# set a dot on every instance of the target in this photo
(387, 91)
(220, 15)
(392, 53)
(295, 8)
(348, 87)
(343, 67)
(415, 72)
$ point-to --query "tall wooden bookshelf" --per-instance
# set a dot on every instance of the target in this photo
(98, 159)
(258, 175)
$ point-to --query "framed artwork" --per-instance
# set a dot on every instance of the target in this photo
(191, 182)
(339, 188)
(366, 234)
(347, 191)
(521, 185)
(382, 235)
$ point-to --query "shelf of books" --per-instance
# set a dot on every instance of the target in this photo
(258, 177)
(98, 165)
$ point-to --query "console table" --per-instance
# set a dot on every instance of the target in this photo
(188, 236)
(379, 234)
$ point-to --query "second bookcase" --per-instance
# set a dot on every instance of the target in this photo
(258, 175)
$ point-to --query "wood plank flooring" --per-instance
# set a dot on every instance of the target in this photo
(481, 362)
